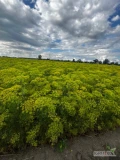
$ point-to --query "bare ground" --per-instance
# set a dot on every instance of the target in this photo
(78, 148)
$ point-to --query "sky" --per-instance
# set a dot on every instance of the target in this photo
(60, 29)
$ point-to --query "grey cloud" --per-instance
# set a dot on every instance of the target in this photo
(23, 48)
(90, 20)
(81, 25)
(15, 21)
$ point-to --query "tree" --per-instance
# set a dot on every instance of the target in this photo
(95, 61)
(100, 62)
(39, 57)
(106, 61)
(73, 60)
(112, 63)
(116, 63)
(79, 60)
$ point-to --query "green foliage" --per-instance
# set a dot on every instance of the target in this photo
(61, 145)
(44, 101)
(55, 129)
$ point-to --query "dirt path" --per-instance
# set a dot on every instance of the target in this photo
(79, 148)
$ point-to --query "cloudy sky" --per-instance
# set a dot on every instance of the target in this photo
(60, 29)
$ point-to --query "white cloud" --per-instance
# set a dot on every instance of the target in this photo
(116, 18)
(81, 25)
(33, 1)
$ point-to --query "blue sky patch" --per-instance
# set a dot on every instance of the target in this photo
(57, 41)
(30, 3)
(117, 12)
(117, 50)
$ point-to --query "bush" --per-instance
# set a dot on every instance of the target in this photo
(40, 105)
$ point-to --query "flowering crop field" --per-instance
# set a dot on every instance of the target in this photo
(42, 101)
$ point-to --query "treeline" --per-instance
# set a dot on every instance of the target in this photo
(95, 61)
(106, 61)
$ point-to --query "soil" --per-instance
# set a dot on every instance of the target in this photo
(78, 148)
